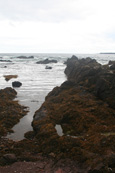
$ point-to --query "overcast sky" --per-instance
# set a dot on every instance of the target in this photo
(57, 26)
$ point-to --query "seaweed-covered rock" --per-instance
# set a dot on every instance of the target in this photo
(83, 109)
(8, 77)
(10, 111)
(8, 93)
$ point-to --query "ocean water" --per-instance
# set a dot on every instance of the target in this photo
(36, 81)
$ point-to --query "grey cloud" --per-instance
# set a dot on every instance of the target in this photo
(45, 10)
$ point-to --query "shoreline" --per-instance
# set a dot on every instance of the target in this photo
(83, 107)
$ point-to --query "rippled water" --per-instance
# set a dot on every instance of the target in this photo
(37, 81)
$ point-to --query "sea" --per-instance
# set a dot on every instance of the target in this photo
(37, 81)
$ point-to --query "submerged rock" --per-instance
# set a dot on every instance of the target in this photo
(46, 61)
(16, 84)
(48, 67)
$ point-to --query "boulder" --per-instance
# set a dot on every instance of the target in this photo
(16, 84)
(46, 61)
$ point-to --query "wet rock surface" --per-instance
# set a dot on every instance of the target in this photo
(16, 84)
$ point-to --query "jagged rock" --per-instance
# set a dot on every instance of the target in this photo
(97, 78)
(46, 61)
(16, 84)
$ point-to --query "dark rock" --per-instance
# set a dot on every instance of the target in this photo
(79, 69)
(10, 158)
(29, 135)
(39, 115)
(111, 62)
(112, 67)
(98, 79)
(25, 57)
(111, 163)
(48, 67)
(16, 84)
(46, 61)
(1, 60)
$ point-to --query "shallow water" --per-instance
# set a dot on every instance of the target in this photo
(37, 82)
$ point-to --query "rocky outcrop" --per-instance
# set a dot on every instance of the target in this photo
(46, 61)
(16, 84)
(83, 107)
(98, 79)
(10, 111)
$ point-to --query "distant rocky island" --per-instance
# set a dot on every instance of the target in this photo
(107, 53)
